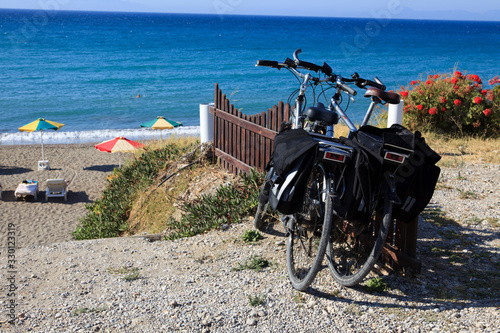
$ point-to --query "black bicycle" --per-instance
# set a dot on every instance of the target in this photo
(352, 237)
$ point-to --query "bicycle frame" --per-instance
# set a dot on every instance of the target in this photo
(334, 105)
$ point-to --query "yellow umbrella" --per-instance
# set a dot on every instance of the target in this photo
(39, 125)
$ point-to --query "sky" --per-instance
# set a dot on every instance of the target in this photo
(418, 9)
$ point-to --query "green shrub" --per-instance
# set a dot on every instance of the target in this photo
(453, 104)
(229, 204)
(107, 216)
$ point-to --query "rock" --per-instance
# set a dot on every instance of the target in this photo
(251, 321)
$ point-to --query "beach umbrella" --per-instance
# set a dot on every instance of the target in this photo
(39, 125)
(161, 123)
(118, 145)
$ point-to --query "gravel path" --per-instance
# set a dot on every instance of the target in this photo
(190, 285)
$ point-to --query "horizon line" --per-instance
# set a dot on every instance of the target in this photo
(262, 15)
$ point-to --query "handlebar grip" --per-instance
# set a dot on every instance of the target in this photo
(347, 89)
(268, 63)
(375, 84)
(309, 65)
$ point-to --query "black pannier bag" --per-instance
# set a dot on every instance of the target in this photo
(292, 161)
(416, 179)
(354, 182)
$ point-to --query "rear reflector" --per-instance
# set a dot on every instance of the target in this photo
(334, 157)
(394, 157)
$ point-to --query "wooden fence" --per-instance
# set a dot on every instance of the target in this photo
(242, 142)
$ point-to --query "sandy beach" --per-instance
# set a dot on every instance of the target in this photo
(39, 221)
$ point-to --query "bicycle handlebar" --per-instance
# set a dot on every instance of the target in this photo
(325, 69)
(363, 83)
(268, 63)
(347, 89)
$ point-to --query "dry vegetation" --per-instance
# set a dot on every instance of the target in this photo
(455, 150)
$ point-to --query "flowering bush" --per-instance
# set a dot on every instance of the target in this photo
(453, 103)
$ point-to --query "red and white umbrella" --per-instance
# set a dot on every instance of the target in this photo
(118, 145)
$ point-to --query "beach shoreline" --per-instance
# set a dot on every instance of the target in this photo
(95, 136)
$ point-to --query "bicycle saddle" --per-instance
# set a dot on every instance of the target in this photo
(319, 112)
(386, 96)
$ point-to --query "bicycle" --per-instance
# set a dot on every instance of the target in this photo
(352, 245)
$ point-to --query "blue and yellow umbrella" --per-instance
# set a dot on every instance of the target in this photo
(39, 125)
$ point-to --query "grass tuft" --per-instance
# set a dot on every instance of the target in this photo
(251, 235)
(256, 300)
(255, 263)
(376, 285)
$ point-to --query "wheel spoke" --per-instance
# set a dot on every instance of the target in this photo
(354, 246)
(309, 232)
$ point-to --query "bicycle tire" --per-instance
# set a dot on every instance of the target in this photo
(309, 231)
(351, 253)
(258, 221)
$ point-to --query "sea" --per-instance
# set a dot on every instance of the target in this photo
(102, 74)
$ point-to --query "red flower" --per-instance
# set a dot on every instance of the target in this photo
(455, 87)
(457, 102)
(444, 109)
(428, 82)
(458, 74)
(442, 100)
(494, 80)
(404, 94)
(487, 112)
(432, 111)
(420, 107)
(454, 80)
(478, 100)
(436, 76)
(484, 92)
(413, 83)
(476, 78)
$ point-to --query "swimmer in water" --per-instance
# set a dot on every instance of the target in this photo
(138, 96)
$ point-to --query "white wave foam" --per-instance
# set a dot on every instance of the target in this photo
(58, 137)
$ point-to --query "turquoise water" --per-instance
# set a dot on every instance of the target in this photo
(85, 69)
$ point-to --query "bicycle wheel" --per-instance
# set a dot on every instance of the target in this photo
(354, 246)
(308, 231)
(258, 221)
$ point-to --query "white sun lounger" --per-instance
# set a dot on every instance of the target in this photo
(56, 188)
